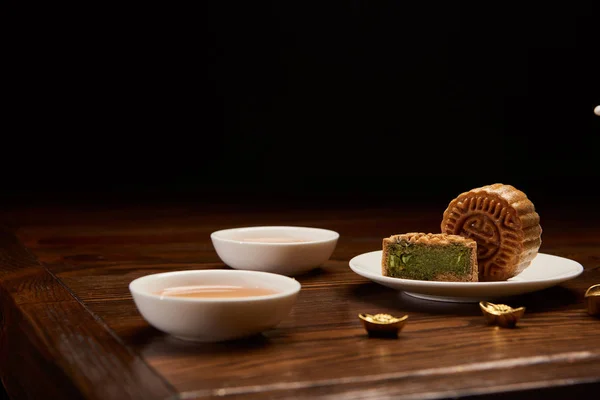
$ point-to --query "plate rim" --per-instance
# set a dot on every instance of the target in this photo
(578, 269)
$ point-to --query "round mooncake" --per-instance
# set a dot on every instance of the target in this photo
(503, 222)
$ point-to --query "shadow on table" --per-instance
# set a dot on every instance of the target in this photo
(158, 342)
(386, 298)
(553, 298)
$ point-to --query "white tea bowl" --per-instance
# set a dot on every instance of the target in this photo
(285, 250)
(206, 319)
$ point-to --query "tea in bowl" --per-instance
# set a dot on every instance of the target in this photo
(214, 305)
(285, 250)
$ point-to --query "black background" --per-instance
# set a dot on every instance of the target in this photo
(331, 102)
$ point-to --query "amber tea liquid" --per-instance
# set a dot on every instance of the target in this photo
(214, 291)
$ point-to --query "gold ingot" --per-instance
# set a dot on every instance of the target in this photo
(501, 314)
(592, 300)
(382, 324)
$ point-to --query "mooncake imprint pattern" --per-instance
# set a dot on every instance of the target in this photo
(492, 226)
(503, 222)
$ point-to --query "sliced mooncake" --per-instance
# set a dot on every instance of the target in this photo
(430, 257)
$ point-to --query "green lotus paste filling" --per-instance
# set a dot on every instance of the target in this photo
(414, 261)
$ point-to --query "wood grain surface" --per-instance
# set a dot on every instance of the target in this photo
(70, 325)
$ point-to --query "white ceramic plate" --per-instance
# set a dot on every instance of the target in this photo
(545, 271)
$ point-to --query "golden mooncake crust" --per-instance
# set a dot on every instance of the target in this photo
(503, 222)
(428, 238)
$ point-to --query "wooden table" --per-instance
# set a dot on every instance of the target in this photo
(71, 330)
